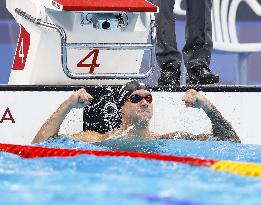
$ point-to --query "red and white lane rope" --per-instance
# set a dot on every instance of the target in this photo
(242, 168)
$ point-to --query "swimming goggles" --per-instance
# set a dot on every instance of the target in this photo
(138, 98)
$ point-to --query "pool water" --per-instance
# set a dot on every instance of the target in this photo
(121, 180)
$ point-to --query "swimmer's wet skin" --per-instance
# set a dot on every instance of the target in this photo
(135, 103)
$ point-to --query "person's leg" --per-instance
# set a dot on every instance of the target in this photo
(199, 45)
(168, 57)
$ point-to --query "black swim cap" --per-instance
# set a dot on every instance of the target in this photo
(127, 90)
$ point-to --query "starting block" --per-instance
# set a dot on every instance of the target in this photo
(82, 42)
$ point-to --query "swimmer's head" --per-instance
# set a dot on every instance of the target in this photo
(135, 102)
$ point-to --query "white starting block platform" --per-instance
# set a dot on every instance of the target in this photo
(24, 109)
(66, 42)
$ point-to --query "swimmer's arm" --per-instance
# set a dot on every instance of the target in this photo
(52, 125)
(221, 128)
(50, 128)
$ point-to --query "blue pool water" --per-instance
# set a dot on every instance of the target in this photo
(120, 180)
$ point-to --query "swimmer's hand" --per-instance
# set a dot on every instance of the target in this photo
(79, 99)
(194, 99)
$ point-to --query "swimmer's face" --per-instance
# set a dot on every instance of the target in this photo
(138, 111)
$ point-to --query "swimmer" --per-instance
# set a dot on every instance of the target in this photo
(136, 107)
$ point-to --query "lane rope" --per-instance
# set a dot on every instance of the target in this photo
(242, 168)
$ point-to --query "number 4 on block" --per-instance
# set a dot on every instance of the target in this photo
(22, 50)
(94, 55)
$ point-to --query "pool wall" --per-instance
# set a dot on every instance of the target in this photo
(23, 112)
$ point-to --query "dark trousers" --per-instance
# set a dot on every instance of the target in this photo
(198, 47)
